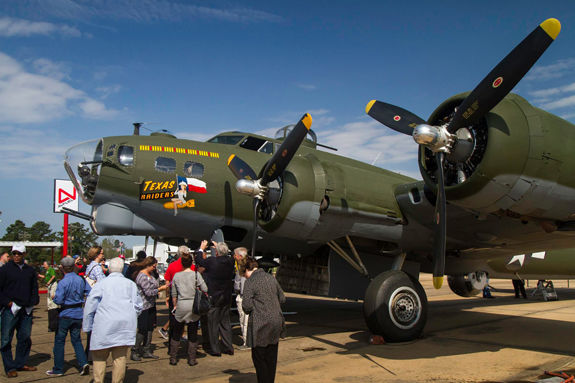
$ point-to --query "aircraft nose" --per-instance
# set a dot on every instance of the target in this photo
(82, 163)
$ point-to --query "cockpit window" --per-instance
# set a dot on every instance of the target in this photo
(126, 155)
(165, 165)
(110, 152)
(226, 140)
(98, 152)
(258, 145)
(193, 169)
(267, 148)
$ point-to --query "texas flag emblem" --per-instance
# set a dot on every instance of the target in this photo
(193, 184)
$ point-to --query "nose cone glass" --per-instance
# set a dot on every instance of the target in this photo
(82, 163)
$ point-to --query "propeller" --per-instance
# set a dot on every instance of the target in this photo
(499, 82)
(440, 226)
(443, 139)
(394, 117)
(248, 182)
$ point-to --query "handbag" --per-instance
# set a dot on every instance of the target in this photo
(89, 280)
(201, 301)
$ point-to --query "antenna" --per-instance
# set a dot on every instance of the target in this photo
(137, 126)
(327, 147)
(376, 158)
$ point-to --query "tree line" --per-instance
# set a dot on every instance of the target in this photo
(80, 239)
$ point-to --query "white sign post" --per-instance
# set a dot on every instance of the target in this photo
(65, 196)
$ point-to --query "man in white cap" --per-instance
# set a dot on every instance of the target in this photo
(18, 296)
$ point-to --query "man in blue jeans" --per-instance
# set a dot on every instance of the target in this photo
(18, 296)
(70, 295)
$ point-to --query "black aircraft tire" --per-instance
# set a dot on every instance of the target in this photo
(395, 306)
(461, 287)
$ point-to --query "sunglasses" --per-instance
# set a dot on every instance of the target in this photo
(17, 253)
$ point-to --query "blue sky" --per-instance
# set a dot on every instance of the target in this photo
(73, 70)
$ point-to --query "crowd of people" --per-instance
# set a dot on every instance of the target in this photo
(116, 308)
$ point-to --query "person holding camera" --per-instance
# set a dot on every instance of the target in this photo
(148, 288)
(183, 292)
(261, 300)
(70, 295)
(219, 275)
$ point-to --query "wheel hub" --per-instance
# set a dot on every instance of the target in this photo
(404, 307)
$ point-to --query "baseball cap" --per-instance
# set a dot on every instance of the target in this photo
(67, 261)
(76, 256)
(183, 250)
(121, 256)
(19, 248)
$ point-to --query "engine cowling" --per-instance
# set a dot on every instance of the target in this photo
(520, 162)
(467, 285)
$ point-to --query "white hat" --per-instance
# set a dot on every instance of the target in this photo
(19, 247)
(183, 250)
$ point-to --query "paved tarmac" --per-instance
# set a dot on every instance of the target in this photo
(466, 340)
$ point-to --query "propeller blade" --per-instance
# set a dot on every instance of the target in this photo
(499, 82)
(240, 168)
(255, 227)
(394, 117)
(281, 158)
(440, 226)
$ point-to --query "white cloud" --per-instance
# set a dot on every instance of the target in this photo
(307, 86)
(556, 70)
(318, 112)
(201, 137)
(364, 140)
(13, 27)
(27, 97)
(545, 93)
(95, 109)
(567, 116)
(51, 69)
(147, 11)
(369, 140)
(107, 91)
(32, 153)
(560, 103)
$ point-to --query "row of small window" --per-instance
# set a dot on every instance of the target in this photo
(191, 169)
(162, 164)
(168, 165)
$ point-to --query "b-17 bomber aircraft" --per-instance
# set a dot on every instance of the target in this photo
(498, 182)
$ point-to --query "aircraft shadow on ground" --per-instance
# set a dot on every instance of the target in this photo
(454, 327)
(240, 377)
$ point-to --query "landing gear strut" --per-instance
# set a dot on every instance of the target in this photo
(395, 306)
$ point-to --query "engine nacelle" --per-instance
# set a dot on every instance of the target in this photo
(521, 162)
(467, 285)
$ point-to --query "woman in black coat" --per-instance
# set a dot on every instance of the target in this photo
(261, 300)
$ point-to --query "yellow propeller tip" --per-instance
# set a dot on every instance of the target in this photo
(437, 282)
(368, 106)
(307, 120)
(230, 158)
(552, 27)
